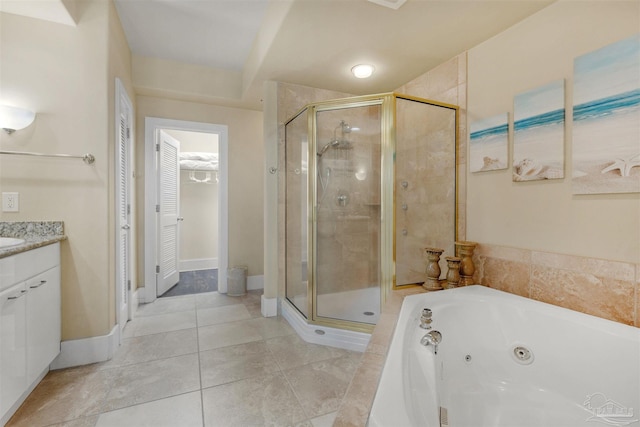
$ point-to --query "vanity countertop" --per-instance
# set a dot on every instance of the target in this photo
(35, 234)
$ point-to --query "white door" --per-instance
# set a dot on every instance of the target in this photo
(169, 212)
(124, 117)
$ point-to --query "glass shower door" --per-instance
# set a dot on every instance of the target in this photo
(296, 214)
(348, 143)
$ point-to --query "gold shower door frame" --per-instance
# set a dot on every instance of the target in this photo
(387, 101)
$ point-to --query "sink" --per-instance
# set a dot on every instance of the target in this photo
(7, 242)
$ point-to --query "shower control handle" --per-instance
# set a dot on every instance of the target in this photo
(425, 318)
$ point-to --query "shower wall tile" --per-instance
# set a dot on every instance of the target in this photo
(462, 70)
(637, 312)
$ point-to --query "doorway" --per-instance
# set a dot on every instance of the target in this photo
(207, 143)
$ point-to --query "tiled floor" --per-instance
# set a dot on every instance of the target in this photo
(199, 360)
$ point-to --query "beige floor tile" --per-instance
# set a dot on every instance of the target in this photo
(226, 334)
(184, 410)
(64, 395)
(228, 364)
(236, 356)
(167, 305)
(154, 347)
(214, 299)
(320, 386)
(149, 381)
(148, 325)
(324, 420)
(266, 400)
(292, 351)
(224, 314)
(271, 327)
(79, 422)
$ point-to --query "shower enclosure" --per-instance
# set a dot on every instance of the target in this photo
(370, 182)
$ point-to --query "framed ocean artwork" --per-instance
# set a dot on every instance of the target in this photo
(489, 144)
(538, 133)
(606, 119)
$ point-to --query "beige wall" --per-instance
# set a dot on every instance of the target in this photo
(66, 75)
(537, 239)
(546, 216)
(245, 192)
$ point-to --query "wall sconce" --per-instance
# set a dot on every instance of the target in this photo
(14, 118)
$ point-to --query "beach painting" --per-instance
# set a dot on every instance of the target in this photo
(489, 144)
(538, 138)
(606, 119)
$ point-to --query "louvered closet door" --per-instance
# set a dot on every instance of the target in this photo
(123, 200)
(169, 212)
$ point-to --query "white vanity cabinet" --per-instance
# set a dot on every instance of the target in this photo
(43, 321)
(13, 345)
(30, 322)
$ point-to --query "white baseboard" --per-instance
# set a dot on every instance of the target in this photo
(341, 338)
(268, 306)
(87, 350)
(197, 264)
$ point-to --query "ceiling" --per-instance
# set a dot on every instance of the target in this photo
(308, 42)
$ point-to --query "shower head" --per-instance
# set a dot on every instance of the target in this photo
(328, 145)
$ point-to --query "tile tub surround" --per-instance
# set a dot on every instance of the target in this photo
(207, 359)
(35, 233)
(607, 289)
(358, 399)
(602, 288)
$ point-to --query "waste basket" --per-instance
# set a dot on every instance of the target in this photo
(237, 281)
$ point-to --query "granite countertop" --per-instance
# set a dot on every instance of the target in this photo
(357, 402)
(35, 234)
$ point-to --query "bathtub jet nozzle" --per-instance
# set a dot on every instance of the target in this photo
(432, 338)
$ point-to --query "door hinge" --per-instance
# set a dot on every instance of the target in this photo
(128, 209)
(157, 147)
(128, 285)
(157, 208)
(128, 132)
(157, 269)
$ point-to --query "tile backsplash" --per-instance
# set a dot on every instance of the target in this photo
(602, 288)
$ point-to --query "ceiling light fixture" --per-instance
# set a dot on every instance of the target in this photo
(362, 71)
(14, 118)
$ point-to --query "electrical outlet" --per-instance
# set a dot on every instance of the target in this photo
(10, 202)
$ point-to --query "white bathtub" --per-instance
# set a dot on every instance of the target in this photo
(583, 370)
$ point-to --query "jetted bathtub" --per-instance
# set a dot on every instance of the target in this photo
(507, 361)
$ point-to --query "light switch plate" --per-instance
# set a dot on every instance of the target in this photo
(10, 202)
